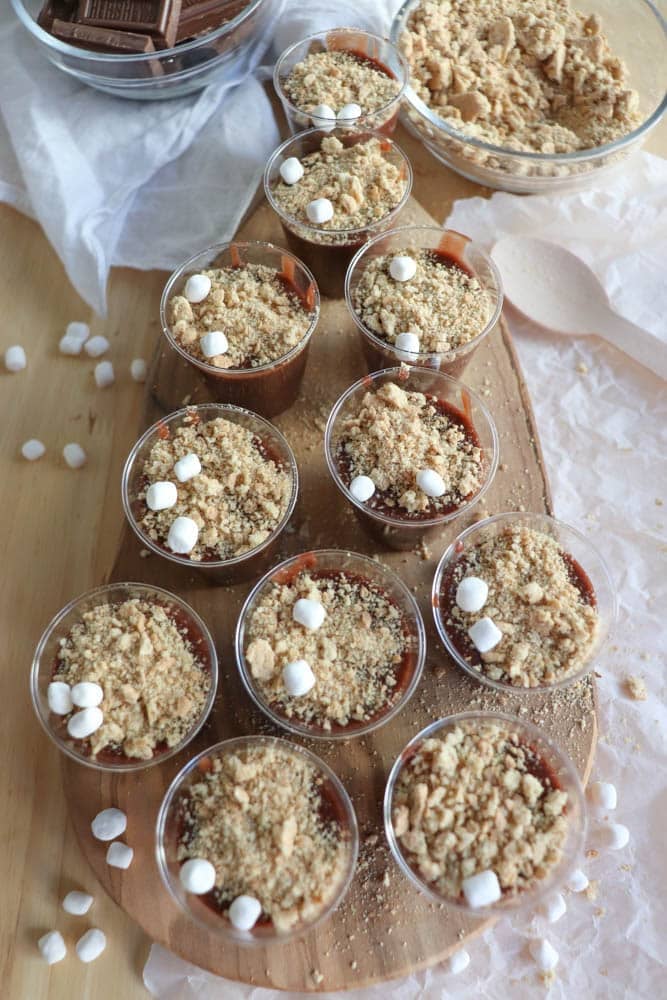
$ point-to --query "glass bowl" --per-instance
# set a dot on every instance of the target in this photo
(559, 766)
(361, 43)
(221, 55)
(637, 33)
(47, 650)
(398, 532)
(586, 557)
(335, 561)
(453, 246)
(270, 388)
(247, 564)
(169, 829)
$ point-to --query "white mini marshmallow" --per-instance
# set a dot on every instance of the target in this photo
(485, 635)
(348, 114)
(291, 170)
(577, 881)
(408, 343)
(52, 947)
(183, 535)
(471, 594)
(59, 697)
(614, 836)
(161, 496)
(15, 359)
(96, 346)
(104, 375)
(77, 330)
(32, 449)
(323, 117)
(554, 908)
(244, 912)
(77, 903)
(84, 723)
(187, 467)
(298, 678)
(481, 889)
(197, 876)
(87, 694)
(362, 488)
(603, 795)
(458, 962)
(543, 954)
(119, 855)
(320, 210)
(91, 945)
(431, 482)
(309, 613)
(214, 343)
(109, 824)
(70, 345)
(197, 287)
(138, 369)
(403, 268)
(74, 455)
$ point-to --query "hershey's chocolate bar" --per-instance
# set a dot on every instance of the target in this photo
(201, 16)
(101, 39)
(157, 18)
(52, 10)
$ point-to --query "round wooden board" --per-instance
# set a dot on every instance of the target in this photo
(384, 929)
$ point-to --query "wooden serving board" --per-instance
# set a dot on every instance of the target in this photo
(384, 929)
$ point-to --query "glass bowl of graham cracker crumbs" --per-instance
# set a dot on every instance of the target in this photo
(485, 813)
(124, 677)
(523, 602)
(277, 827)
(533, 98)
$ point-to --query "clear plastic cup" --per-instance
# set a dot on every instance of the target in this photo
(328, 561)
(247, 564)
(270, 388)
(376, 50)
(587, 560)
(559, 767)
(452, 247)
(44, 662)
(328, 252)
(395, 530)
(169, 830)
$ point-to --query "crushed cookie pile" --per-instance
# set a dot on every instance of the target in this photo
(336, 78)
(478, 800)
(531, 75)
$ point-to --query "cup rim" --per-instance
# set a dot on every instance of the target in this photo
(183, 560)
(98, 594)
(478, 675)
(298, 727)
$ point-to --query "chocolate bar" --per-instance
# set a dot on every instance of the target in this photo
(101, 39)
(157, 18)
(198, 17)
(55, 10)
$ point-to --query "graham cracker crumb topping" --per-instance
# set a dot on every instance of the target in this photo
(635, 688)
(337, 78)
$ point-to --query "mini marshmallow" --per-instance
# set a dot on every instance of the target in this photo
(298, 678)
(197, 876)
(77, 903)
(52, 947)
(291, 170)
(603, 795)
(104, 375)
(309, 613)
(554, 908)
(78, 331)
(197, 287)
(161, 496)
(408, 343)
(543, 954)
(138, 369)
(71, 346)
(109, 824)
(403, 268)
(96, 346)
(15, 359)
(481, 889)
(485, 635)
(323, 117)
(91, 945)
(119, 855)
(32, 449)
(471, 594)
(244, 912)
(348, 114)
(214, 343)
(577, 881)
(458, 962)
(183, 535)
(320, 210)
(59, 697)
(74, 455)
(84, 723)
(187, 467)
(430, 482)
(614, 836)
(87, 694)
(362, 488)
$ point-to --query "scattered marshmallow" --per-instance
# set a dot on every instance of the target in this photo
(84, 723)
(603, 795)
(348, 114)
(138, 369)
(74, 455)
(431, 482)
(291, 170)
(71, 346)
(15, 359)
(197, 876)
(408, 343)
(309, 613)
(362, 488)
(161, 495)
(614, 836)
(32, 449)
(87, 694)
(320, 210)
(197, 287)
(183, 535)
(458, 962)
(187, 467)
(104, 375)
(323, 117)
(472, 594)
(77, 903)
(59, 697)
(52, 947)
(78, 331)
(403, 268)
(485, 635)
(577, 881)
(96, 346)
(298, 678)
(214, 343)
(109, 824)
(543, 954)
(91, 945)
(244, 912)
(554, 908)
(481, 889)
(119, 855)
